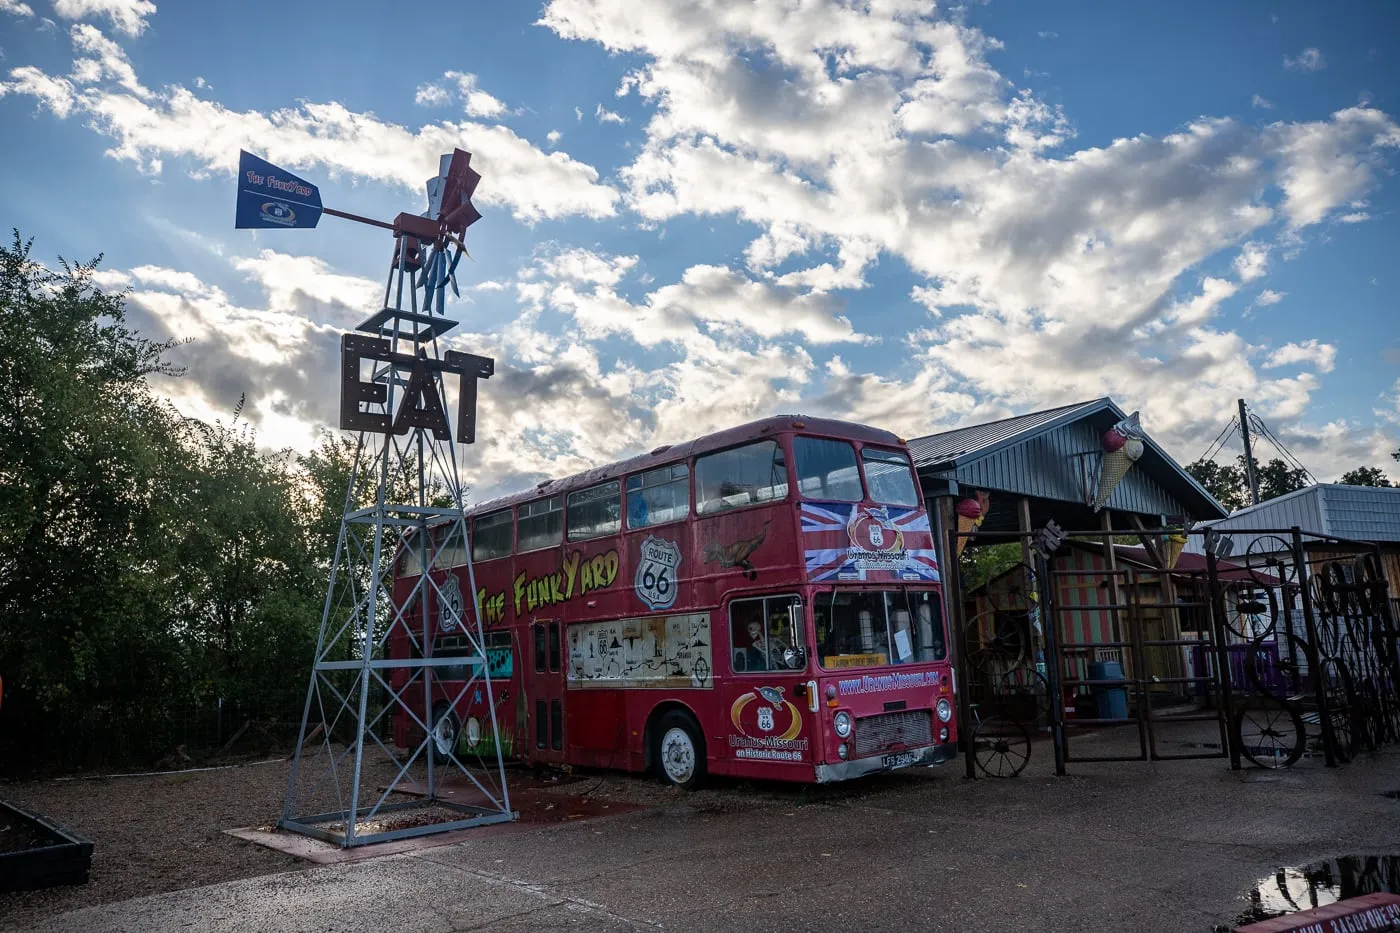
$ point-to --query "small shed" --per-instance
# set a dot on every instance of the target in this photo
(1363, 514)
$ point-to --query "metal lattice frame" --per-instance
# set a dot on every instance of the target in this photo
(404, 501)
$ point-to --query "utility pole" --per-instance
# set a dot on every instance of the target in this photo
(1248, 457)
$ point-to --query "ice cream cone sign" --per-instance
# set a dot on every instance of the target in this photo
(971, 513)
(1122, 446)
(1176, 541)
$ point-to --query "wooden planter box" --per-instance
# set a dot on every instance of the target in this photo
(37, 853)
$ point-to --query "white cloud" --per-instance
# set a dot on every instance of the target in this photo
(1310, 59)
(127, 16)
(146, 128)
(1261, 103)
(1321, 355)
(101, 58)
(1269, 297)
(1325, 164)
(1252, 261)
(607, 116)
(1355, 217)
(16, 8)
(464, 86)
(432, 95)
(56, 94)
(553, 137)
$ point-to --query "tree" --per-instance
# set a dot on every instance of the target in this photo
(1230, 484)
(1226, 483)
(1365, 476)
(1276, 478)
(149, 564)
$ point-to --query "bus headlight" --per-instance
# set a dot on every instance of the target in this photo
(945, 711)
(842, 723)
(843, 751)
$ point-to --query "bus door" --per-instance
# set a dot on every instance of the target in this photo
(544, 690)
(766, 704)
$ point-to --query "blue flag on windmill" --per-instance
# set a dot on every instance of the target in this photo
(270, 197)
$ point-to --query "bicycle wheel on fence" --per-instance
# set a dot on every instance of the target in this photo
(1341, 708)
(1253, 612)
(1001, 747)
(1270, 733)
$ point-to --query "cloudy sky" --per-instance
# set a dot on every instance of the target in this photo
(702, 212)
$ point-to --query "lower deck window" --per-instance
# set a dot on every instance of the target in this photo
(872, 628)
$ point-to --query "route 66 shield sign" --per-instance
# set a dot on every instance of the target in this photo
(450, 604)
(656, 581)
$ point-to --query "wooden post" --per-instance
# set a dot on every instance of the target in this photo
(1110, 556)
(1023, 524)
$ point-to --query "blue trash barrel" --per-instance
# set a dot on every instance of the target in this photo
(1112, 701)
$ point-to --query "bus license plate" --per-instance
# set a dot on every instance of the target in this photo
(903, 760)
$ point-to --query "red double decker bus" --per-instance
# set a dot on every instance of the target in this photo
(761, 602)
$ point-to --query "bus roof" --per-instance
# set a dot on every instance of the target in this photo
(670, 453)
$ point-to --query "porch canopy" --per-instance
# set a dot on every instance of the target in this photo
(1046, 465)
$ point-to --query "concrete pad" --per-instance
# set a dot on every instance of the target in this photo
(401, 893)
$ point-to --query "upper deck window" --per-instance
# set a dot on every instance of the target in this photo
(491, 535)
(826, 469)
(658, 496)
(888, 475)
(595, 511)
(452, 553)
(741, 476)
(541, 523)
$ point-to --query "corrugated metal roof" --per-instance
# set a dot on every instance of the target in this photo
(1362, 513)
(1359, 513)
(978, 438)
(1054, 455)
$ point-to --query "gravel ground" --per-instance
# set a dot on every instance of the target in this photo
(152, 834)
(165, 832)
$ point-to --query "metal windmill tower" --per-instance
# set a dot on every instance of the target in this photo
(379, 652)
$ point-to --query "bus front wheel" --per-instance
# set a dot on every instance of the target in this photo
(680, 751)
(444, 736)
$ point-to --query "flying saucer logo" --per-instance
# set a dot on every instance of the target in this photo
(766, 726)
(876, 542)
(275, 212)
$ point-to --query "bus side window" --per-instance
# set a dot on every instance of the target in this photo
(554, 651)
(537, 632)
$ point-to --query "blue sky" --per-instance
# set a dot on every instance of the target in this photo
(696, 213)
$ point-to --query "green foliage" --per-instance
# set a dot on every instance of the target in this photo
(147, 561)
(980, 564)
(1230, 484)
(1366, 476)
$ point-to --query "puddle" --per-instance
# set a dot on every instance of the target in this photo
(1290, 890)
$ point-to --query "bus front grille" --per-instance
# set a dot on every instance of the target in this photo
(908, 729)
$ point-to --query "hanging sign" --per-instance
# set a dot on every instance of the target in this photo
(270, 197)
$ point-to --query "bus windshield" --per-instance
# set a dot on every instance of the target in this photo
(873, 628)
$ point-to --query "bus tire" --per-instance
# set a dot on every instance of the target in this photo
(442, 741)
(679, 750)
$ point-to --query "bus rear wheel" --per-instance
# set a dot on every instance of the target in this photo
(443, 740)
(679, 752)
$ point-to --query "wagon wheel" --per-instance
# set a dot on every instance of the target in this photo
(1254, 611)
(1341, 708)
(1270, 733)
(1001, 747)
(1021, 687)
(994, 639)
(1265, 565)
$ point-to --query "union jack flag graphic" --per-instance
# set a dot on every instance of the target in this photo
(848, 542)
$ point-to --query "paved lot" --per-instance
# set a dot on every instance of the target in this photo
(1113, 847)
